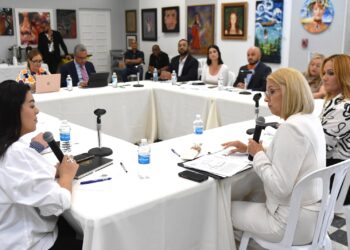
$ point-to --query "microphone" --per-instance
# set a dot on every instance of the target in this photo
(246, 71)
(259, 126)
(256, 98)
(48, 137)
(99, 113)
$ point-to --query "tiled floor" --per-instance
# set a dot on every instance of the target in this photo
(337, 232)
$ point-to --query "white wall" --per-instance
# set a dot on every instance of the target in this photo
(117, 18)
(328, 42)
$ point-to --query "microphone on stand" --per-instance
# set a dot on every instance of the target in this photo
(48, 137)
(138, 77)
(267, 124)
(259, 126)
(256, 98)
(100, 151)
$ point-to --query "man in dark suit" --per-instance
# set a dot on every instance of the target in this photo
(79, 69)
(185, 66)
(49, 43)
(254, 73)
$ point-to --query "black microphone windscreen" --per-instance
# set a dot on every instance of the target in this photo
(260, 121)
(99, 112)
(48, 137)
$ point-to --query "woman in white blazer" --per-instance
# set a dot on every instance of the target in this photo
(297, 149)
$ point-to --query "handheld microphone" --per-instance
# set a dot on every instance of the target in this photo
(259, 126)
(48, 137)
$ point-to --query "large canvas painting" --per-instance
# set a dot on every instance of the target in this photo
(29, 24)
(67, 23)
(149, 25)
(268, 29)
(317, 16)
(6, 22)
(200, 27)
(234, 18)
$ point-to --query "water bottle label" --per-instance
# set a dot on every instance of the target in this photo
(198, 130)
(144, 159)
(64, 137)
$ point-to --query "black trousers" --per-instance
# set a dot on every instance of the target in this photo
(66, 237)
(331, 162)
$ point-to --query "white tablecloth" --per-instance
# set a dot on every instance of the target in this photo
(10, 72)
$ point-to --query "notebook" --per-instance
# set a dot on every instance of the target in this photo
(92, 165)
(47, 83)
(97, 80)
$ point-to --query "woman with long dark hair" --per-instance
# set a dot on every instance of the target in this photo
(215, 67)
(30, 198)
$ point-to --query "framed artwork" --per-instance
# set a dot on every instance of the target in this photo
(149, 24)
(6, 22)
(317, 16)
(129, 39)
(130, 21)
(67, 23)
(170, 19)
(234, 18)
(29, 24)
(268, 29)
(200, 27)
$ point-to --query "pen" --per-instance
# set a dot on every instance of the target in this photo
(97, 180)
(173, 150)
(122, 165)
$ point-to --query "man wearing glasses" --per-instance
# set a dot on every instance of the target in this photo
(79, 69)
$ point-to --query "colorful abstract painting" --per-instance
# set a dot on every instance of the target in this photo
(6, 22)
(268, 29)
(67, 23)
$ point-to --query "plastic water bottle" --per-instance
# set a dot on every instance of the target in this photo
(69, 83)
(220, 82)
(65, 137)
(198, 128)
(14, 61)
(155, 75)
(144, 159)
(173, 78)
(114, 80)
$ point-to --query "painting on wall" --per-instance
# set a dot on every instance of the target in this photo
(6, 22)
(234, 21)
(67, 23)
(130, 21)
(317, 16)
(200, 27)
(149, 24)
(29, 24)
(171, 19)
(268, 29)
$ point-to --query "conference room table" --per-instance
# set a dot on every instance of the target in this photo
(161, 212)
(158, 110)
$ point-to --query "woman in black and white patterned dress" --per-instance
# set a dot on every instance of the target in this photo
(335, 116)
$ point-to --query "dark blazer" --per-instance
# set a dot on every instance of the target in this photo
(189, 71)
(43, 47)
(69, 69)
(258, 79)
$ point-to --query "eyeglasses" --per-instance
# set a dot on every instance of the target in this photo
(37, 61)
(270, 92)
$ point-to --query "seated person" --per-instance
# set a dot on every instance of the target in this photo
(185, 66)
(280, 166)
(313, 76)
(79, 69)
(214, 67)
(133, 59)
(34, 60)
(159, 60)
(256, 80)
(31, 198)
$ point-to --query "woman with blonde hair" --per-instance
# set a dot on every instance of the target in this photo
(313, 75)
(335, 116)
(296, 150)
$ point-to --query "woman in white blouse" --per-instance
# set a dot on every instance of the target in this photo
(297, 148)
(30, 198)
(215, 67)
